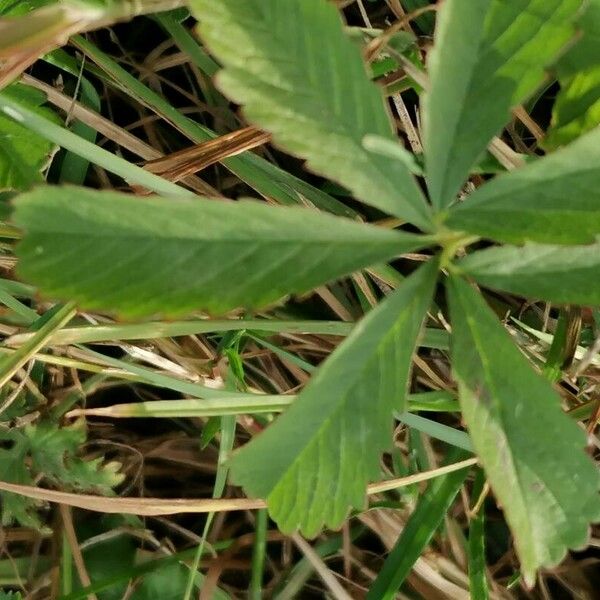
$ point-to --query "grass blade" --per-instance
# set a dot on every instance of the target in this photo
(476, 548)
(258, 554)
(61, 136)
(418, 532)
(14, 361)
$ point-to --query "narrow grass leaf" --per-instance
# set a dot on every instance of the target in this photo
(555, 200)
(533, 454)
(558, 274)
(259, 552)
(476, 548)
(300, 77)
(85, 334)
(28, 315)
(245, 404)
(10, 364)
(191, 407)
(439, 431)
(21, 113)
(488, 56)
(171, 257)
(314, 463)
(418, 531)
(265, 177)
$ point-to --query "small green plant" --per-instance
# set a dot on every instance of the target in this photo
(44, 450)
(531, 231)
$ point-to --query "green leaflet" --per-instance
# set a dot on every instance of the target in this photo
(170, 256)
(314, 463)
(23, 154)
(577, 107)
(533, 454)
(489, 55)
(300, 77)
(553, 200)
(558, 274)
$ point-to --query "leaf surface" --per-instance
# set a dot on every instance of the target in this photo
(315, 461)
(554, 200)
(143, 256)
(23, 153)
(488, 56)
(301, 78)
(577, 107)
(558, 274)
(533, 453)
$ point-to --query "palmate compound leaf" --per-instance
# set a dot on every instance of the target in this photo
(489, 55)
(554, 200)
(315, 461)
(144, 256)
(577, 106)
(297, 74)
(533, 454)
(557, 274)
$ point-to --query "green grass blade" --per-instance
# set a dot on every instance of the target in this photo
(476, 549)
(10, 364)
(186, 42)
(266, 178)
(436, 430)
(18, 110)
(27, 314)
(206, 407)
(238, 404)
(86, 334)
(258, 554)
(418, 531)
(225, 446)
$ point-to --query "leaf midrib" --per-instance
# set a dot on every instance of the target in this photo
(156, 238)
